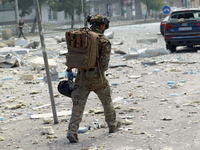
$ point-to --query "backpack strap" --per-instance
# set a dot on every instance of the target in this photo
(100, 70)
(98, 61)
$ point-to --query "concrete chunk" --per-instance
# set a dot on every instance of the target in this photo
(8, 61)
(20, 42)
(18, 50)
(6, 34)
(3, 45)
(47, 130)
(147, 41)
(39, 61)
(27, 77)
(32, 44)
(9, 42)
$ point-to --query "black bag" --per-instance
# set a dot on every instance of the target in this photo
(66, 87)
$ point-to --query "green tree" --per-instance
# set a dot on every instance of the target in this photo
(155, 5)
(25, 7)
(70, 7)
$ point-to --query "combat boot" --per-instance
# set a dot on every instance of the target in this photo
(73, 138)
(115, 128)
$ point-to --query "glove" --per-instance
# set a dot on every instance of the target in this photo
(71, 75)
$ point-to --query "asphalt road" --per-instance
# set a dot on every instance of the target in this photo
(166, 117)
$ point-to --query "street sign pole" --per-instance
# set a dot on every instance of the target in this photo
(38, 16)
(16, 16)
(82, 12)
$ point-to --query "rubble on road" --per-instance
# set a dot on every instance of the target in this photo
(10, 43)
(9, 61)
(47, 130)
(21, 43)
(152, 92)
(148, 41)
(109, 35)
(145, 52)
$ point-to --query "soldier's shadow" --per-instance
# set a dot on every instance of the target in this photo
(84, 142)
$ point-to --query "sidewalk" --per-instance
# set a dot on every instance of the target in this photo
(130, 22)
(61, 27)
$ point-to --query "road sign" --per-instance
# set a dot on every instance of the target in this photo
(166, 10)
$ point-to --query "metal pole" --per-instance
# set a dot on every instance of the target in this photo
(82, 12)
(45, 61)
(16, 16)
(132, 9)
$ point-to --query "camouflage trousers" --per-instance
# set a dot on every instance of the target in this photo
(91, 82)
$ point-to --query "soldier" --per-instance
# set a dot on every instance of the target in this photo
(94, 82)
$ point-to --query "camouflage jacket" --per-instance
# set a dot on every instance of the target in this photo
(105, 48)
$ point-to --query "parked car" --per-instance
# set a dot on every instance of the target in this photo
(161, 15)
(182, 28)
(162, 25)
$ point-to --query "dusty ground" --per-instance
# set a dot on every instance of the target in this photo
(160, 121)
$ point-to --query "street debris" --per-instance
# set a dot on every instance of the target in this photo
(117, 99)
(144, 52)
(47, 120)
(2, 138)
(18, 50)
(47, 130)
(117, 42)
(6, 34)
(9, 61)
(147, 83)
(27, 77)
(82, 129)
(49, 115)
(10, 43)
(21, 43)
(39, 62)
(167, 119)
(127, 122)
(147, 41)
(109, 35)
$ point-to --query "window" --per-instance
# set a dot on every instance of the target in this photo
(189, 15)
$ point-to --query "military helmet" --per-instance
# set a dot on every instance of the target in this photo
(65, 87)
(98, 19)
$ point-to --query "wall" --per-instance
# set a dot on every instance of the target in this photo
(7, 15)
(105, 6)
(58, 17)
(178, 3)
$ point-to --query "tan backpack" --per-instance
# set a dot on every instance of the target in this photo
(83, 48)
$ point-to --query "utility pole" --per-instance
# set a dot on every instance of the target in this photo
(82, 12)
(16, 16)
(38, 16)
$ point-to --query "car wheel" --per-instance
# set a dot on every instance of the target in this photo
(172, 48)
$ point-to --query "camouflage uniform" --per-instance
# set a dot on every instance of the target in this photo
(92, 82)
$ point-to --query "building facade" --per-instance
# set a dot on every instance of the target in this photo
(7, 15)
(116, 9)
(113, 9)
(183, 3)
